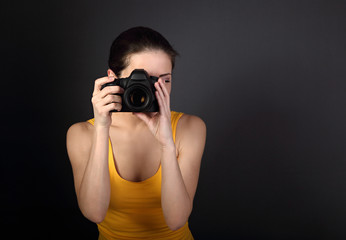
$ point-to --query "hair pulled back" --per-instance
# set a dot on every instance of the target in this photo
(135, 40)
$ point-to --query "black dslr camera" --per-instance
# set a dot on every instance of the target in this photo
(139, 92)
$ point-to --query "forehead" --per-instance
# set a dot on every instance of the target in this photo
(155, 62)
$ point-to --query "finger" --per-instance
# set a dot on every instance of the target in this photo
(165, 91)
(163, 87)
(159, 89)
(113, 98)
(108, 100)
(102, 109)
(113, 106)
(100, 81)
(111, 90)
(165, 101)
(160, 101)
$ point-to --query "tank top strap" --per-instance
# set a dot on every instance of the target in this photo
(91, 121)
(175, 116)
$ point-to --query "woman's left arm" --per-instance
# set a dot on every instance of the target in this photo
(179, 179)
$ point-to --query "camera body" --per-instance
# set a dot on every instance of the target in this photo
(139, 92)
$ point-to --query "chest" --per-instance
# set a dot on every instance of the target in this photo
(137, 155)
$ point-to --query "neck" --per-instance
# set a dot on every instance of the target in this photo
(126, 120)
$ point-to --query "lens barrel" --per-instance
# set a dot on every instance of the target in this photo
(138, 98)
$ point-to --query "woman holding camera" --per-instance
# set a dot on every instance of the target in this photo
(136, 174)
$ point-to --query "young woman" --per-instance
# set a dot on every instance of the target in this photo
(136, 174)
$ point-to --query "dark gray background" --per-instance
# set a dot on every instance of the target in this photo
(267, 77)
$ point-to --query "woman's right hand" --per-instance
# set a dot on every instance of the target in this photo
(104, 101)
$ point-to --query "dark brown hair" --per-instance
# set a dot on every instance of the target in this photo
(135, 40)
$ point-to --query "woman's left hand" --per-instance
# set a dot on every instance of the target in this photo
(159, 123)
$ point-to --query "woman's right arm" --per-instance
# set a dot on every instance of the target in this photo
(88, 153)
(87, 147)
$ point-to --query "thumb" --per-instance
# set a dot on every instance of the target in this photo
(143, 116)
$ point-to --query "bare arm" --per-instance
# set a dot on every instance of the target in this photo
(179, 180)
(87, 148)
(88, 153)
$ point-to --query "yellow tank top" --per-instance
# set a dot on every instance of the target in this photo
(135, 209)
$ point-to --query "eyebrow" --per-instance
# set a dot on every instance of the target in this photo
(162, 75)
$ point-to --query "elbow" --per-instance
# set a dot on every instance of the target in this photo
(95, 217)
(177, 219)
(176, 222)
(174, 226)
(98, 219)
(93, 214)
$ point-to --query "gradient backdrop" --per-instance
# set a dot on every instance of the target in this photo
(267, 77)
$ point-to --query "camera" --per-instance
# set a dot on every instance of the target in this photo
(139, 92)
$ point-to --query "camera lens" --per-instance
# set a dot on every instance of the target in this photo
(138, 98)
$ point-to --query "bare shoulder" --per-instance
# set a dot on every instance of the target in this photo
(191, 130)
(79, 138)
(79, 130)
(191, 123)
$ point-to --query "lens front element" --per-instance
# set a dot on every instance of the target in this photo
(138, 98)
